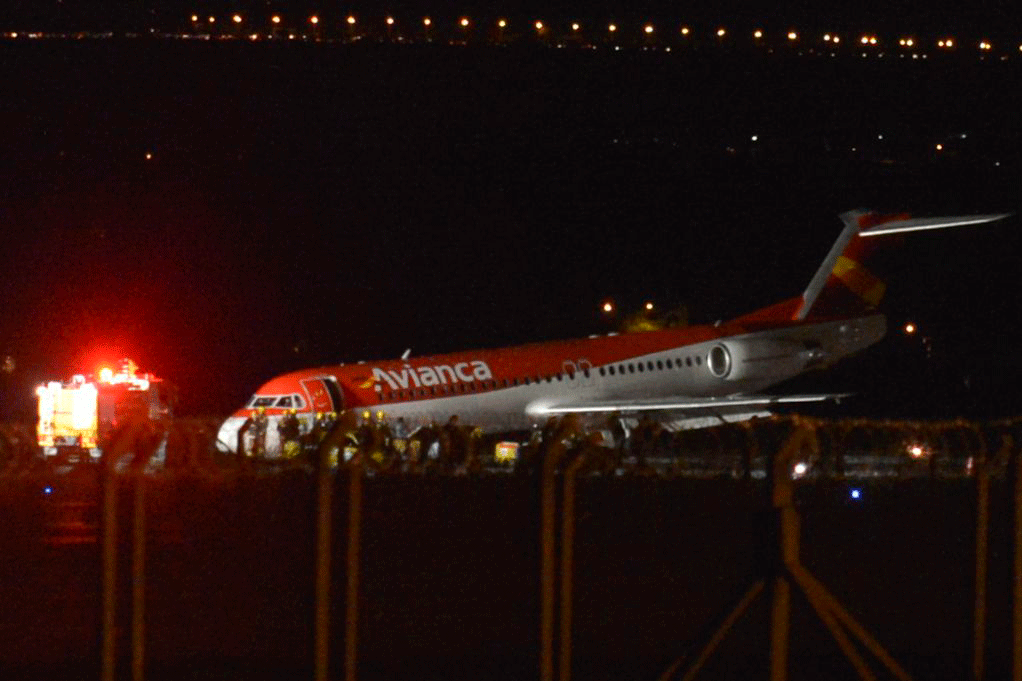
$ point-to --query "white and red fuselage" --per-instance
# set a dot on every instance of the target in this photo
(690, 377)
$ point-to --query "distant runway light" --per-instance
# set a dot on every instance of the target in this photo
(426, 21)
(916, 451)
(837, 39)
(502, 23)
(910, 328)
(757, 34)
(314, 20)
(464, 22)
(612, 28)
(721, 32)
(47, 490)
(275, 19)
(575, 26)
(648, 28)
(940, 147)
(390, 21)
(608, 307)
(539, 25)
(195, 17)
(351, 20)
(864, 40)
(236, 18)
(792, 35)
(149, 156)
(855, 493)
(800, 468)
(755, 138)
(684, 30)
(212, 20)
(826, 37)
(649, 307)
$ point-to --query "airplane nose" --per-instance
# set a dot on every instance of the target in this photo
(227, 436)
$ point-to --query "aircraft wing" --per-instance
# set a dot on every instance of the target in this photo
(684, 404)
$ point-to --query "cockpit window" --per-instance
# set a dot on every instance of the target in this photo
(263, 401)
(285, 401)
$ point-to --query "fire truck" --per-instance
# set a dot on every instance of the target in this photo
(76, 418)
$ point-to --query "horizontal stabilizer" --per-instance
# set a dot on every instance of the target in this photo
(920, 224)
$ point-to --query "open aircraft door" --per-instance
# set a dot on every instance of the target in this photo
(324, 394)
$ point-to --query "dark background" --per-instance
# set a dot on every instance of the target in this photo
(315, 203)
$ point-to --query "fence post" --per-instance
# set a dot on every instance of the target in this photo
(324, 504)
(982, 534)
(355, 471)
(138, 581)
(568, 563)
(1016, 629)
(109, 564)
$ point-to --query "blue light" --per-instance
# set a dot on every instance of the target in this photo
(856, 494)
(47, 490)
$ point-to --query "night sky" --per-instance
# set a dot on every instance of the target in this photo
(305, 204)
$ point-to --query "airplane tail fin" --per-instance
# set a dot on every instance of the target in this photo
(844, 283)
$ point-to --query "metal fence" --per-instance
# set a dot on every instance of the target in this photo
(776, 461)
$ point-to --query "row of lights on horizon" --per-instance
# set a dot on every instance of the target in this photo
(648, 29)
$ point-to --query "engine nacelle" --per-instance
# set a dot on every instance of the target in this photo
(757, 359)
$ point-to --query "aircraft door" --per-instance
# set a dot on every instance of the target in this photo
(324, 395)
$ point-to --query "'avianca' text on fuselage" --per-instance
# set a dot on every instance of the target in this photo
(688, 377)
(426, 376)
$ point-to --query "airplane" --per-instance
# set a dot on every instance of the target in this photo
(690, 377)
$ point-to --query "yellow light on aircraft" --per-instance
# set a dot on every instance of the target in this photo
(757, 34)
(721, 32)
(648, 28)
(792, 35)
(236, 18)
(275, 19)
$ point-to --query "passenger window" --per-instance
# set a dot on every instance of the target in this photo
(631, 368)
(699, 360)
(660, 365)
(688, 361)
(640, 368)
(585, 372)
(669, 364)
(611, 370)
